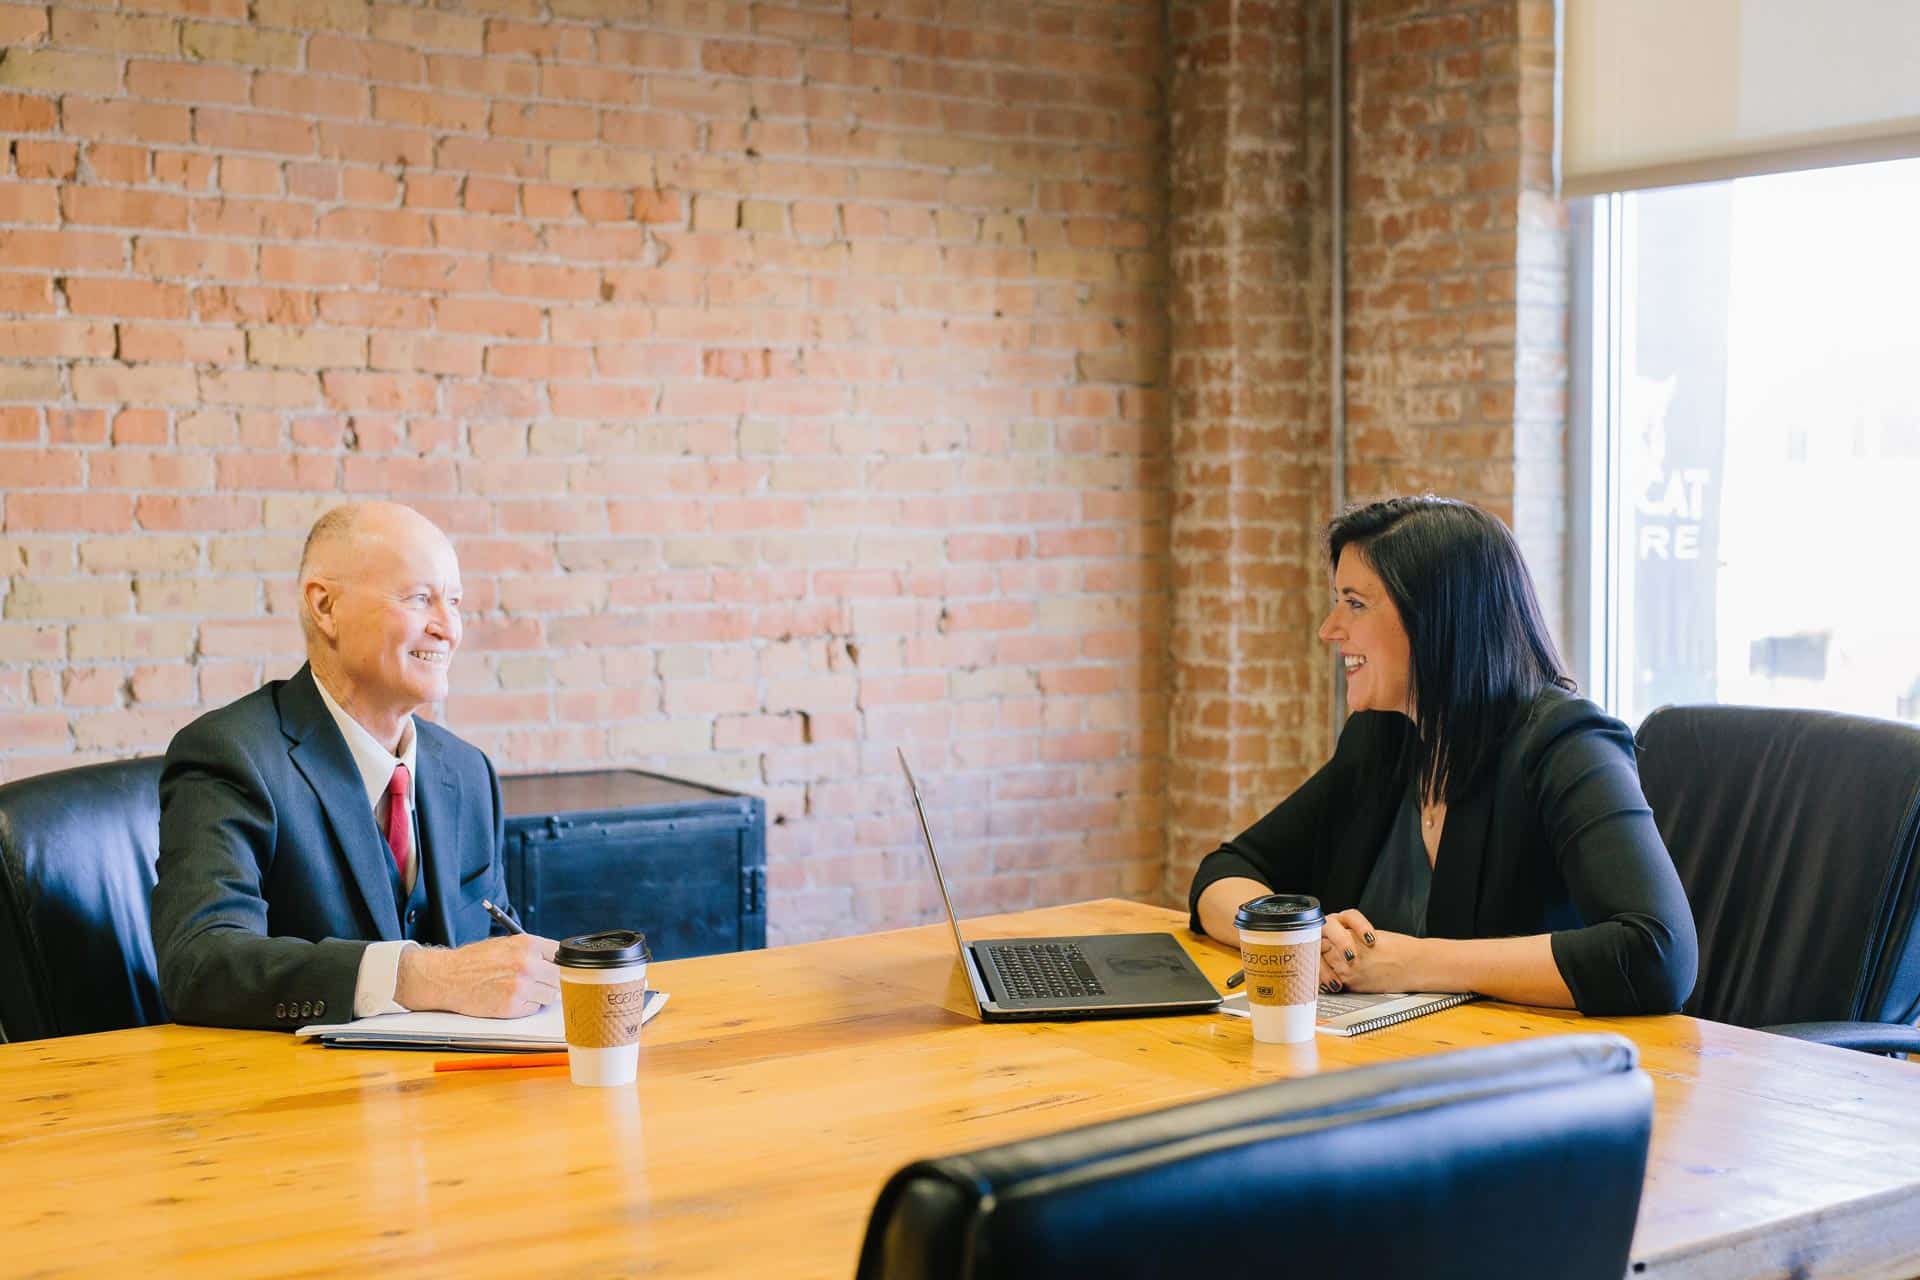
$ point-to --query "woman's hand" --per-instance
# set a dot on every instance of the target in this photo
(1354, 956)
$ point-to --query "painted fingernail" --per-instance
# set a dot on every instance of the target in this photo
(1368, 937)
(1348, 953)
(1335, 985)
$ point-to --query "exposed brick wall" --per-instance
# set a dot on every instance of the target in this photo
(795, 382)
(791, 378)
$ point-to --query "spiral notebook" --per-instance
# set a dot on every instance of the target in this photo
(1354, 1014)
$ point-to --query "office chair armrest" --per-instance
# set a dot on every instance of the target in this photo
(1868, 1037)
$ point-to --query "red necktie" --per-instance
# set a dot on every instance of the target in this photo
(399, 830)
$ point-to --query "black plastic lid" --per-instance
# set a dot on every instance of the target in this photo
(1278, 912)
(614, 949)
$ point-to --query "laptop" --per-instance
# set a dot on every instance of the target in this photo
(1118, 975)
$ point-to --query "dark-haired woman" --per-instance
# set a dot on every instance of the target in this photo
(1480, 827)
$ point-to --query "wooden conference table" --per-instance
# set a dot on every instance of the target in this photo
(780, 1088)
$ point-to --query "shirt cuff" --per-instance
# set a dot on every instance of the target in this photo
(379, 978)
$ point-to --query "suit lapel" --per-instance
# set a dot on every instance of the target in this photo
(437, 797)
(1454, 901)
(321, 755)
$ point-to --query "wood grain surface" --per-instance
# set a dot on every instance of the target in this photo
(780, 1089)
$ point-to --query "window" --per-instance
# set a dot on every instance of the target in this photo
(1747, 441)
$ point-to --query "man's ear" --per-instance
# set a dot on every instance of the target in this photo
(321, 596)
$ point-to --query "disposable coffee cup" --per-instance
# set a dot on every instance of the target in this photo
(1280, 950)
(603, 992)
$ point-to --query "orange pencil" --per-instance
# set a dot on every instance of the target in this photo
(503, 1061)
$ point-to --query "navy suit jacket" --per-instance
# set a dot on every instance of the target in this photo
(273, 874)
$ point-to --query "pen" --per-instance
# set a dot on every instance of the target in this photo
(501, 916)
(502, 1062)
(1239, 976)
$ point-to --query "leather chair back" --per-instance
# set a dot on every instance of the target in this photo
(77, 852)
(1521, 1159)
(1794, 834)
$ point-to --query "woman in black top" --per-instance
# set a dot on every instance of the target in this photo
(1480, 827)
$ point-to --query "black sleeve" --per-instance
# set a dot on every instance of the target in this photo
(1638, 953)
(217, 965)
(1278, 849)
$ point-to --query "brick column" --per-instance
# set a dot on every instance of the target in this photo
(1457, 269)
(1248, 241)
(1543, 256)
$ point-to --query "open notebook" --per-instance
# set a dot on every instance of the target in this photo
(1355, 1015)
(536, 1033)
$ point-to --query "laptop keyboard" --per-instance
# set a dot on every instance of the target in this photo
(1044, 971)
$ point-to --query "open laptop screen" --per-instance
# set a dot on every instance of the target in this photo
(953, 921)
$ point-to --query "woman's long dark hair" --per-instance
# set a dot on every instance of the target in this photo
(1480, 652)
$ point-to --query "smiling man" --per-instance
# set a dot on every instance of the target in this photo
(324, 852)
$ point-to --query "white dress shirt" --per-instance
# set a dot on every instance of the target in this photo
(373, 989)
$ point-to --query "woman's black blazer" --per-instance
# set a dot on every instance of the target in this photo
(1555, 838)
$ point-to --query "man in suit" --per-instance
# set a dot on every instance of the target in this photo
(323, 852)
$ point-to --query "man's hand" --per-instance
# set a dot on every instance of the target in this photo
(507, 977)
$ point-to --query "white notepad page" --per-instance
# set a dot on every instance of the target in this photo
(542, 1029)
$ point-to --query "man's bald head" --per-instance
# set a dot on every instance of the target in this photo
(343, 535)
(380, 605)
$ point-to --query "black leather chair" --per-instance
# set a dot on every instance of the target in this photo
(77, 850)
(1794, 833)
(1519, 1160)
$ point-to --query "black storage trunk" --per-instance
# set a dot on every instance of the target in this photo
(621, 849)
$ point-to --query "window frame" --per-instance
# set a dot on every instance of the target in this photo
(1594, 525)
